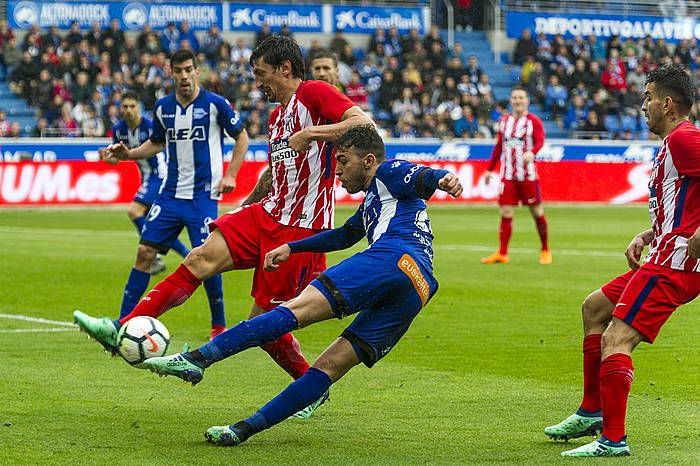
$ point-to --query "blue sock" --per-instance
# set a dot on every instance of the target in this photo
(180, 248)
(135, 287)
(139, 222)
(215, 293)
(254, 332)
(298, 395)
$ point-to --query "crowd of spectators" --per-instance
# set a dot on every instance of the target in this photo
(594, 88)
(414, 86)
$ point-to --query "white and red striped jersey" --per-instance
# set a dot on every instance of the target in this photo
(674, 198)
(302, 192)
(515, 137)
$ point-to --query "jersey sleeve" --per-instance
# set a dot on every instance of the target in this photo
(228, 118)
(409, 181)
(158, 132)
(497, 149)
(333, 240)
(537, 134)
(326, 100)
(684, 147)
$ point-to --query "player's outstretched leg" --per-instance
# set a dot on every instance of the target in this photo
(600, 447)
(254, 332)
(579, 424)
(101, 329)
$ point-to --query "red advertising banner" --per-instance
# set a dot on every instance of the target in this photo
(88, 183)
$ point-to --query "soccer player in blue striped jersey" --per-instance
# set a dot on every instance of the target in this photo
(133, 130)
(189, 125)
(387, 284)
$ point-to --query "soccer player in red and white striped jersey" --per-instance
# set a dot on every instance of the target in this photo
(634, 306)
(293, 199)
(520, 137)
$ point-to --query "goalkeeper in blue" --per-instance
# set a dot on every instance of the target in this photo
(386, 285)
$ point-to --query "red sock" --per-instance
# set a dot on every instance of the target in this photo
(591, 373)
(170, 292)
(542, 230)
(504, 233)
(616, 375)
(287, 354)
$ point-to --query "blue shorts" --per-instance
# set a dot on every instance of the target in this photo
(148, 191)
(168, 216)
(387, 288)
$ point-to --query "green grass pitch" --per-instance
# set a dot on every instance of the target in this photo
(493, 359)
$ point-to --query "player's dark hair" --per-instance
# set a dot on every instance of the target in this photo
(518, 88)
(181, 56)
(275, 49)
(673, 81)
(130, 95)
(324, 53)
(364, 139)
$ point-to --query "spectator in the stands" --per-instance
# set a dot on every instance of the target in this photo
(74, 35)
(473, 69)
(525, 47)
(356, 91)
(11, 56)
(262, 34)
(338, 43)
(409, 41)
(595, 126)
(536, 84)
(92, 126)
(577, 113)
(555, 97)
(41, 126)
(66, 123)
(170, 38)
(406, 103)
(466, 126)
(392, 46)
(4, 124)
(212, 42)
(433, 37)
(240, 53)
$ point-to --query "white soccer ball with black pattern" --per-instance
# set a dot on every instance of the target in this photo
(142, 338)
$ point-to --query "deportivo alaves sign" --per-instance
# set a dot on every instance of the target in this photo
(227, 16)
(603, 26)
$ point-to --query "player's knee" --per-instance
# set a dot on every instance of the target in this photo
(200, 261)
(145, 255)
(596, 309)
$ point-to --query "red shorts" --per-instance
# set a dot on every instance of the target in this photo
(520, 192)
(250, 233)
(645, 298)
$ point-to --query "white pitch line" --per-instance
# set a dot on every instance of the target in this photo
(37, 319)
(566, 252)
(38, 330)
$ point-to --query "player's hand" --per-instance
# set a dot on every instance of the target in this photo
(451, 185)
(226, 185)
(487, 177)
(634, 252)
(528, 156)
(694, 245)
(300, 141)
(274, 258)
(105, 156)
(115, 151)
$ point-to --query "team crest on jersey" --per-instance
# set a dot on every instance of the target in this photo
(199, 113)
(195, 133)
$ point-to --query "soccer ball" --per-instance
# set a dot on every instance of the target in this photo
(142, 338)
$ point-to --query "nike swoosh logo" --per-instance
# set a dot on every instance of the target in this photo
(620, 304)
(154, 345)
(277, 301)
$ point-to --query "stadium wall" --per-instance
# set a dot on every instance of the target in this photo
(69, 172)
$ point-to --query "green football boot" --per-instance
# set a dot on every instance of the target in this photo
(175, 365)
(575, 426)
(600, 447)
(101, 329)
(226, 436)
(309, 410)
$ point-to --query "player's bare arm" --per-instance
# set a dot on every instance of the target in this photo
(694, 245)
(228, 182)
(634, 250)
(119, 151)
(262, 188)
(529, 157)
(354, 116)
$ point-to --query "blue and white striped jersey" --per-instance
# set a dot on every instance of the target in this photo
(194, 138)
(152, 168)
(394, 213)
